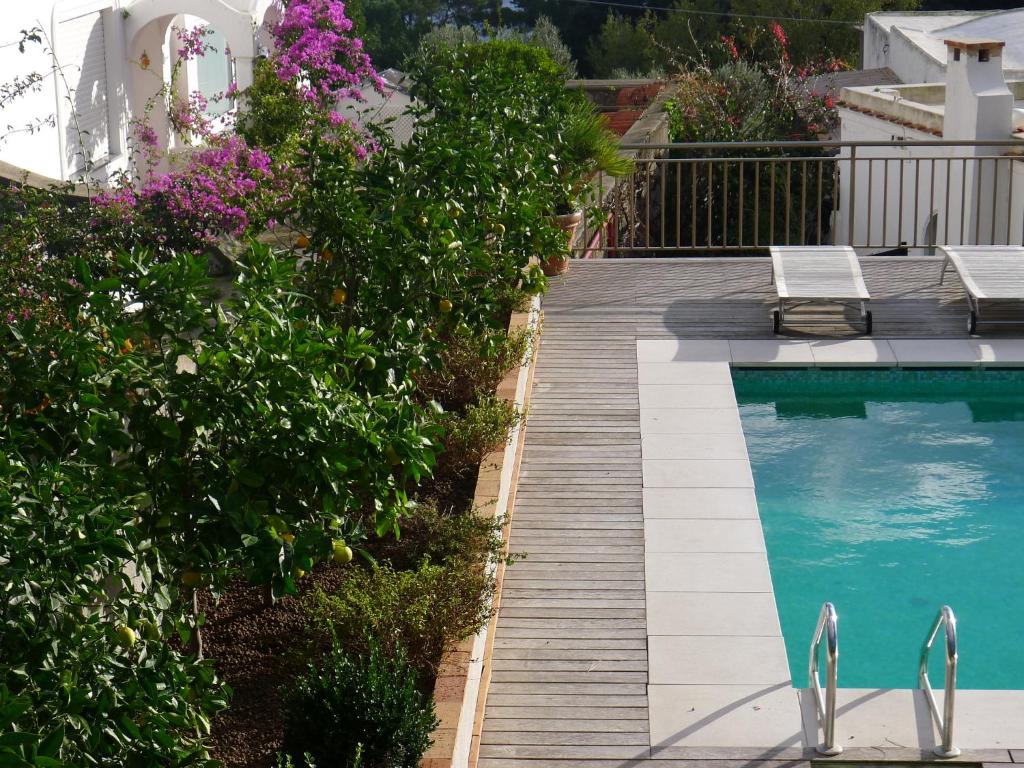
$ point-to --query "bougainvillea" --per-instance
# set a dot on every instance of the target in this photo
(228, 188)
(316, 50)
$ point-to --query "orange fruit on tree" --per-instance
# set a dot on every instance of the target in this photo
(338, 296)
(302, 241)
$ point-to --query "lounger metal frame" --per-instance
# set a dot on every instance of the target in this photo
(975, 293)
(858, 303)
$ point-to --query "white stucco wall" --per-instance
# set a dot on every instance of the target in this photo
(51, 150)
(974, 201)
(129, 29)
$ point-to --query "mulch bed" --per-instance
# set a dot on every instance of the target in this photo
(256, 649)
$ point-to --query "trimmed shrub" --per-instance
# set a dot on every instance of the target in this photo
(481, 429)
(433, 533)
(472, 365)
(418, 612)
(359, 712)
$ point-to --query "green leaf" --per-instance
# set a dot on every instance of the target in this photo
(50, 746)
(168, 427)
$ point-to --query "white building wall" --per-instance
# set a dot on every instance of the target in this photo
(98, 92)
(945, 196)
(894, 191)
(87, 93)
(875, 45)
(910, 63)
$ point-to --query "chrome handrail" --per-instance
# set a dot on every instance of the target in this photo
(945, 720)
(828, 627)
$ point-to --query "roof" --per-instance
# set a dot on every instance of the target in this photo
(831, 83)
(383, 108)
(929, 31)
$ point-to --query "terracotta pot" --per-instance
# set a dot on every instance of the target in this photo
(558, 263)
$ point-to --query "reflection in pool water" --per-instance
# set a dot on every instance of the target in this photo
(890, 493)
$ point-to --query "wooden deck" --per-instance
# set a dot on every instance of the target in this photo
(568, 688)
(732, 298)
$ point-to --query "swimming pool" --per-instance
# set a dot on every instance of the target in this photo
(891, 492)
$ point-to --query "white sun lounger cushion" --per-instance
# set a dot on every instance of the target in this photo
(989, 271)
(818, 272)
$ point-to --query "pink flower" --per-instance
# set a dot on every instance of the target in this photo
(779, 33)
(730, 45)
(193, 45)
(315, 49)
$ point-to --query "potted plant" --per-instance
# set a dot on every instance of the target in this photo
(587, 147)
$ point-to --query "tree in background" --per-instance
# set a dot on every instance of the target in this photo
(544, 35)
(621, 40)
(393, 28)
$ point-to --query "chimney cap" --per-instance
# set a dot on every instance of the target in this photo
(975, 43)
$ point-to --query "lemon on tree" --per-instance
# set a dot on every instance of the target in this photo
(445, 306)
(125, 636)
(342, 552)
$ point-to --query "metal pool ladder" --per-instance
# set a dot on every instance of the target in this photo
(944, 721)
(827, 629)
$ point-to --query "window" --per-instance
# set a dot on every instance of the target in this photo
(214, 74)
(85, 110)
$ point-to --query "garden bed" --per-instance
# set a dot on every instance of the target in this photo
(462, 680)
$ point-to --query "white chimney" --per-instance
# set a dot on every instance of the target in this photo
(978, 103)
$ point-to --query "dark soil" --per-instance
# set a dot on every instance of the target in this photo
(256, 649)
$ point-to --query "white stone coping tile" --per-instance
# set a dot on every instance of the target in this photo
(687, 396)
(707, 572)
(882, 718)
(703, 535)
(692, 473)
(852, 353)
(746, 614)
(715, 446)
(684, 373)
(934, 352)
(724, 716)
(772, 352)
(660, 359)
(686, 503)
(682, 350)
(716, 660)
(1000, 352)
(690, 421)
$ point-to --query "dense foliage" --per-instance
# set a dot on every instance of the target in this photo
(359, 712)
(757, 95)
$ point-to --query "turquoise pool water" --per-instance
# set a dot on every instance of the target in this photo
(891, 492)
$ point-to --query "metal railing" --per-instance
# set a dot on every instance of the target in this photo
(825, 704)
(745, 196)
(944, 721)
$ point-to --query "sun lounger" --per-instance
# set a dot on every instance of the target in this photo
(823, 274)
(989, 273)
